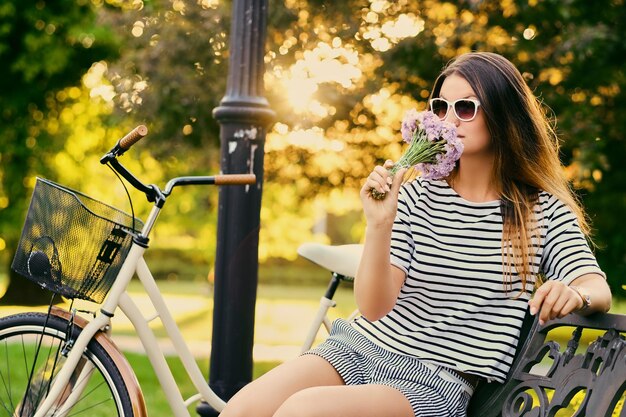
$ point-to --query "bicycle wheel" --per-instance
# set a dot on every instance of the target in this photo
(33, 347)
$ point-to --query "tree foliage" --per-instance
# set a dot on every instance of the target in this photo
(340, 75)
(45, 46)
(570, 52)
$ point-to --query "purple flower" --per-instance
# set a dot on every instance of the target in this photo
(411, 121)
(433, 148)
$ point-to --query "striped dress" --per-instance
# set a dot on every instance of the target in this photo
(453, 309)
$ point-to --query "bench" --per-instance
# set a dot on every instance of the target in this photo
(593, 380)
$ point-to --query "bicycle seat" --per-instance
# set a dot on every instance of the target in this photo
(342, 259)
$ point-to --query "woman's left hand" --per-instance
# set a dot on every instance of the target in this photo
(554, 299)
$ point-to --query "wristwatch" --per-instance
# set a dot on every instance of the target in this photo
(584, 295)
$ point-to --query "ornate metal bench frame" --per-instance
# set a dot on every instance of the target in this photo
(600, 371)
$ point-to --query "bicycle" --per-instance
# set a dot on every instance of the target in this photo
(342, 262)
(71, 364)
(60, 363)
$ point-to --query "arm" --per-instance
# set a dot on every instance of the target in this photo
(378, 283)
(597, 289)
(555, 299)
(568, 262)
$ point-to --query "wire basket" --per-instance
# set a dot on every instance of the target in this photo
(72, 244)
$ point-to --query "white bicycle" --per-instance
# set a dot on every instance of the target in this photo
(342, 262)
(61, 364)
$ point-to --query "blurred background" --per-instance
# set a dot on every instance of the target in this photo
(76, 75)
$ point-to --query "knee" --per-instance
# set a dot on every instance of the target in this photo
(243, 404)
(236, 408)
(303, 403)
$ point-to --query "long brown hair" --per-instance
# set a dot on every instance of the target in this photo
(526, 150)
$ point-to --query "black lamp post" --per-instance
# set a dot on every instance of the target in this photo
(244, 116)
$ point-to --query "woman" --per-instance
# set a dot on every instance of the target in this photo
(444, 310)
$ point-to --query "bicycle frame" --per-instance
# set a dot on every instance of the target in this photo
(119, 297)
(342, 262)
(321, 316)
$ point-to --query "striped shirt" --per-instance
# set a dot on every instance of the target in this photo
(453, 309)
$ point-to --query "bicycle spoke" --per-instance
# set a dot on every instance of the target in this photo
(89, 408)
(67, 390)
(31, 373)
(91, 390)
(40, 381)
(40, 341)
(25, 368)
(54, 366)
(9, 412)
(9, 379)
(7, 386)
(7, 389)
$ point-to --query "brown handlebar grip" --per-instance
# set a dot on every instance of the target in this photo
(133, 137)
(235, 179)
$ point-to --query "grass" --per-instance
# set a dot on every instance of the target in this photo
(155, 400)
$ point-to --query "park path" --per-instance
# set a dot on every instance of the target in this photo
(277, 334)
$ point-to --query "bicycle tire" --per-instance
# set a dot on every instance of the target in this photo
(32, 347)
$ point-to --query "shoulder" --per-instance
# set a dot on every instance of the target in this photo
(410, 192)
(553, 209)
(419, 186)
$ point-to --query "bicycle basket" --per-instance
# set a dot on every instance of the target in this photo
(72, 244)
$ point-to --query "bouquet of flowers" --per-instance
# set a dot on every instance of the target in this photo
(433, 148)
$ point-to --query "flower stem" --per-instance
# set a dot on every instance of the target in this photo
(421, 150)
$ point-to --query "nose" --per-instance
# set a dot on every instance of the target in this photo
(451, 117)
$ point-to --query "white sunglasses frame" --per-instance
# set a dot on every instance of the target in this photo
(451, 104)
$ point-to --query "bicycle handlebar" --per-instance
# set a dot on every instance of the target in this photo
(124, 144)
(152, 192)
(235, 179)
(222, 179)
(133, 137)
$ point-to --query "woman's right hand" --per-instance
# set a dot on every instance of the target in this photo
(381, 212)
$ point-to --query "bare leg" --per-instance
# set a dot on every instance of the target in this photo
(263, 396)
(347, 401)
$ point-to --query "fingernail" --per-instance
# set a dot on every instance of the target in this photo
(541, 322)
(389, 180)
(387, 188)
(533, 311)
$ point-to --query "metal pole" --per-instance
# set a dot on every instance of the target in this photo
(244, 116)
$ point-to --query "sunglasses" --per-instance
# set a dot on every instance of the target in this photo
(465, 109)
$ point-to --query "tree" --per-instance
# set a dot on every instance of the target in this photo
(571, 53)
(45, 46)
(340, 76)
